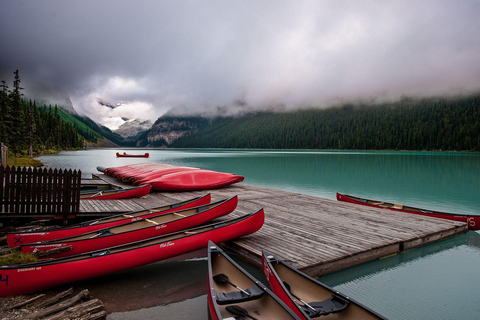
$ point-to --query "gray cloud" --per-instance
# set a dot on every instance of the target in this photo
(155, 55)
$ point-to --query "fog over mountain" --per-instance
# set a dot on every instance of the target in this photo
(152, 56)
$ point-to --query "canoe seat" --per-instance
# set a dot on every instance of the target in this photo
(179, 214)
(237, 296)
(333, 304)
(203, 208)
(102, 233)
(398, 206)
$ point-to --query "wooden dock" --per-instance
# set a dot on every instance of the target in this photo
(317, 235)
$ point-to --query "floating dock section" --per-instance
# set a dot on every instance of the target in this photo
(315, 235)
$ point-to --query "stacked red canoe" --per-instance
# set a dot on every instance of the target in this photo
(164, 177)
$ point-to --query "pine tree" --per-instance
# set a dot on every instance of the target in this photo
(15, 129)
(31, 127)
(5, 116)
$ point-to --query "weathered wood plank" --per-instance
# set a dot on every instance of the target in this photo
(317, 235)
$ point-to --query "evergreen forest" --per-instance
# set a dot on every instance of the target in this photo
(26, 128)
(446, 124)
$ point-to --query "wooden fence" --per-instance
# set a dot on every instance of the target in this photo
(39, 192)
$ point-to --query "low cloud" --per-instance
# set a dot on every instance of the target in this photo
(157, 55)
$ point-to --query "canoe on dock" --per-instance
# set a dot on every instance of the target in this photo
(473, 221)
(142, 178)
(134, 231)
(126, 155)
(32, 277)
(308, 297)
(194, 180)
(165, 177)
(232, 291)
(16, 239)
(128, 193)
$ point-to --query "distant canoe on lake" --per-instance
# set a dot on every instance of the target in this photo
(126, 155)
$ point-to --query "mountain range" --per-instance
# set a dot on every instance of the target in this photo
(448, 123)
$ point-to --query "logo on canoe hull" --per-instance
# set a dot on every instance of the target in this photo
(167, 244)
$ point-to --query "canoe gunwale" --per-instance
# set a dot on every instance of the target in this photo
(197, 216)
(134, 214)
(473, 221)
(257, 290)
(138, 244)
(269, 270)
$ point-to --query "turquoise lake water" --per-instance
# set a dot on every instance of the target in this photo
(438, 281)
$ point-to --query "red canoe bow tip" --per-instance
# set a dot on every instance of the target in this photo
(240, 178)
(136, 192)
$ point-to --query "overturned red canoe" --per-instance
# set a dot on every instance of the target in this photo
(145, 155)
(134, 169)
(32, 277)
(18, 238)
(135, 231)
(144, 178)
(473, 221)
(128, 193)
(194, 180)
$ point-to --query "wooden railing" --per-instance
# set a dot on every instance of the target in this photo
(39, 192)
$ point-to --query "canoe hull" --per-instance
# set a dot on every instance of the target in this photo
(125, 155)
(144, 179)
(119, 194)
(34, 277)
(102, 239)
(308, 289)
(19, 238)
(259, 301)
(472, 221)
(194, 180)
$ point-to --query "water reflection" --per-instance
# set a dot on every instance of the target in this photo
(470, 239)
(152, 285)
(438, 281)
(195, 308)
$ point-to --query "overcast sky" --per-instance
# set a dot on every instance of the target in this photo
(154, 55)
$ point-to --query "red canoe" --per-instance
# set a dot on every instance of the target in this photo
(472, 221)
(128, 193)
(140, 166)
(194, 180)
(37, 276)
(19, 238)
(249, 294)
(134, 169)
(145, 155)
(309, 298)
(143, 178)
(135, 231)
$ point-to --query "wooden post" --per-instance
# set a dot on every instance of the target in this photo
(4, 154)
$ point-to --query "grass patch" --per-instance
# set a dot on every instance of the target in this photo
(16, 257)
(22, 161)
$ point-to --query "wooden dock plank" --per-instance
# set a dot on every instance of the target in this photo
(317, 235)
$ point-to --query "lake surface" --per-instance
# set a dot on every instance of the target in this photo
(438, 281)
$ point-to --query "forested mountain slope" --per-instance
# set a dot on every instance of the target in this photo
(410, 124)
